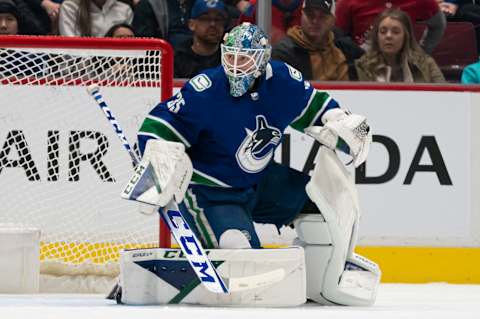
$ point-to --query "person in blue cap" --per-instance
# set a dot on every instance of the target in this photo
(207, 23)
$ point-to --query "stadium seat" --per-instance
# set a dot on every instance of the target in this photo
(457, 49)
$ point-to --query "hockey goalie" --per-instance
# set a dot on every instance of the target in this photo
(208, 165)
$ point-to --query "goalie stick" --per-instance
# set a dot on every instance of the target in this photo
(170, 214)
(182, 233)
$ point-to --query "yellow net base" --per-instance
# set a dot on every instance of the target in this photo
(79, 253)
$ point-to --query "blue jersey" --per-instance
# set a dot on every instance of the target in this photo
(231, 140)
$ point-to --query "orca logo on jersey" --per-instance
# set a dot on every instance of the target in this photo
(257, 148)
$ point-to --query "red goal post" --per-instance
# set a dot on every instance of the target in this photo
(61, 165)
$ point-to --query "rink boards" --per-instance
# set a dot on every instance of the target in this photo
(421, 216)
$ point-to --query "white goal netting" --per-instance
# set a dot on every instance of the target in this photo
(61, 165)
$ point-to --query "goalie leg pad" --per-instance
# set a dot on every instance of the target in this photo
(333, 279)
(259, 277)
(335, 274)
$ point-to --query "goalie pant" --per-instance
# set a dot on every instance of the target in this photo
(211, 211)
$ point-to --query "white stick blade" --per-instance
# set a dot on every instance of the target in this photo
(92, 89)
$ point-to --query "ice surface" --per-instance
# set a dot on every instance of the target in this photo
(395, 301)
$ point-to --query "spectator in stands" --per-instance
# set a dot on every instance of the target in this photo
(13, 62)
(448, 7)
(168, 19)
(207, 24)
(49, 14)
(395, 55)
(237, 7)
(355, 18)
(285, 14)
(52, 8)
(463, 10)
(92, 17)
(121, 30)
(163, 19)
(312, 48)
(9, 18)
(35, 18)
(471, 74)
(108, 68)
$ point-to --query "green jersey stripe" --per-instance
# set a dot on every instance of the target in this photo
(312, 111)
(200, 220)
(163, 129)
(204, 179)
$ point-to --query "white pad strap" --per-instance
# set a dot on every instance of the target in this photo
(335, 275)
(163, 173)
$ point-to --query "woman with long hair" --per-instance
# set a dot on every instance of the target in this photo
(121, 30)
(395, 55)
(92, 18)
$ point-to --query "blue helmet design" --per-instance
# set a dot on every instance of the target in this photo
(245, 55)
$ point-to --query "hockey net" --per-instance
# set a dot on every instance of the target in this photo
(61, 165)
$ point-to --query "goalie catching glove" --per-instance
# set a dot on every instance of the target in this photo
(342, 127)
(163, 173)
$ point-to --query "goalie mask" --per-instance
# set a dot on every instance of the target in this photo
(245, 55)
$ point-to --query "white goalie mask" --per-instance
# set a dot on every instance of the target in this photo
(245, 55)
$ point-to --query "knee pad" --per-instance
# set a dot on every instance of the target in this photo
(335, 275)
(233, 239)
